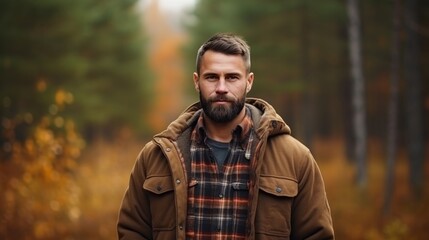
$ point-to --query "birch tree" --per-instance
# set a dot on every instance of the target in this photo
(358, 91)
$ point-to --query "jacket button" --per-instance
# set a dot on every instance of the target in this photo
(168, 149)
(278, 189)
(180, 227)
(178, 181)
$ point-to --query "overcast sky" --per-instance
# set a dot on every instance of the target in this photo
(172, 5)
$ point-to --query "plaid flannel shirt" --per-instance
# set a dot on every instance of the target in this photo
(218, 199)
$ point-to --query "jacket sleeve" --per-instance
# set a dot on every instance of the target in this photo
(311, 215)
(134, 215)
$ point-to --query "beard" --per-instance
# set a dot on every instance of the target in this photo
(223, 113)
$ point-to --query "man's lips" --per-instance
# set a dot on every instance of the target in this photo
(221, 100)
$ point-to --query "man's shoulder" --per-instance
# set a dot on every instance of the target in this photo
(286, 156)
(288, 142)
(149, 149)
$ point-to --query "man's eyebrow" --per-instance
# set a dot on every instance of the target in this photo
(209, 74)
(233, 73)
(226, 74)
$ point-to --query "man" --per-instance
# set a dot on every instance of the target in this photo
(227, 168)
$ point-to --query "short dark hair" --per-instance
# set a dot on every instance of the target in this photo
(226, 43)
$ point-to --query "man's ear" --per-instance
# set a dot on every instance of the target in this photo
(250, 78)
(195, 78)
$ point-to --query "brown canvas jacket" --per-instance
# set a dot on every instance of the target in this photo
(289, 201)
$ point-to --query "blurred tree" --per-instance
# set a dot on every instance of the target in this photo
(393, 108)
(308, 108)
(93, 50)
(358, 93)
(117, 85)
(414, 89)
(376, 17)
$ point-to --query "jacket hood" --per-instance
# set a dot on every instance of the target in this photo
(265, 120)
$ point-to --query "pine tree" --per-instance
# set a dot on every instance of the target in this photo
(91, 50)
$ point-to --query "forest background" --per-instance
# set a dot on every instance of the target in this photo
(86, 83)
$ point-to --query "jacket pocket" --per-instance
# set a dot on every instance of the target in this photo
(274, 209)
(161, 200)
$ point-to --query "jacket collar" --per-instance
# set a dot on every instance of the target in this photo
(265, 120)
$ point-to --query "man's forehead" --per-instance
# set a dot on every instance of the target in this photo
(222, 61)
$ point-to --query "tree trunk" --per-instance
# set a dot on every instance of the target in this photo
(393, 110)
(358, 92)
(307, 112)
(414, 99)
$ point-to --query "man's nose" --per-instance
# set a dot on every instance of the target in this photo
(221, 86)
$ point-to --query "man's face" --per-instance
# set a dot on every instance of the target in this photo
(222, 85)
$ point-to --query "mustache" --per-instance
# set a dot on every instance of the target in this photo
(221, 98)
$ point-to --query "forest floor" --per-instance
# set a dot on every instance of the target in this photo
(102, 175)
(359, 214)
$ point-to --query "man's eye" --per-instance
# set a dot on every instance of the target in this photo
(232, 77)
(211, 77)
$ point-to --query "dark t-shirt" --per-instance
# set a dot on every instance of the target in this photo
(220, 151)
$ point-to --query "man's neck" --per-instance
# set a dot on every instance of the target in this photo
(222, 131)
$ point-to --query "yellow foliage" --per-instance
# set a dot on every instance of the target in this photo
(41, 85)
(41, 196)
(396, 230)
(63, 97)
(168, 68)
(42, 230)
